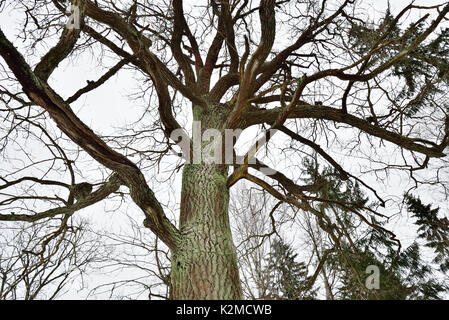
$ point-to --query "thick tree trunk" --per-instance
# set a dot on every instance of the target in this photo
(204, 265)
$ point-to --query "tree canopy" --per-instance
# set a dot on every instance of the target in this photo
(220, 92)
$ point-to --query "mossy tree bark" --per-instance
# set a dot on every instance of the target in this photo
(204, 264)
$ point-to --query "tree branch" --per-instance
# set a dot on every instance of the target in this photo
(305, 110)
(78, 132)
(61, 50)
(112, 185)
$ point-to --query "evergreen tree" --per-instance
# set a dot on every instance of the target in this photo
(434, 230)
(403, 275)
(288, 278)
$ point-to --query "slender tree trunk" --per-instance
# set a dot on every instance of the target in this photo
(329, 294)
(204, 265)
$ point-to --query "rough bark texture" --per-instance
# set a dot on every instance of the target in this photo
(204, 265)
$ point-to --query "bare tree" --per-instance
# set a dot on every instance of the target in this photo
(140, 265)
(316, 71)
(37, 263)
(258, 225)
(254, 228)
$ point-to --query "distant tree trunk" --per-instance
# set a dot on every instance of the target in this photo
(329, 294)
(204, 265)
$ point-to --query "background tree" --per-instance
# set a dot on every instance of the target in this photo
(314, 70)
(402, 275)
(288, 277)
(433, 229)
(139, 265)
(41, 260)
(342, 259)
